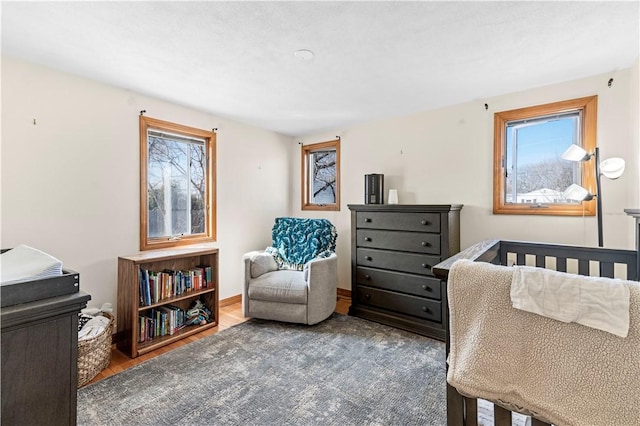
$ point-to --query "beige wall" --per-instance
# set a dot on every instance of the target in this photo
(70, 183)
(445, 156)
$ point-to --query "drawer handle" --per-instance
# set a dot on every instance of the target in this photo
(367, 277)
(424, 265)
(424, 222)
(425, 309)
(367, 258)
(367, 238)
(426, 287)
(367, 296)
(425, 244)
(367, 219)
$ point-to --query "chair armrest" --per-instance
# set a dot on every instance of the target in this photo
(251, 267)
(316, 268)
(321, 275)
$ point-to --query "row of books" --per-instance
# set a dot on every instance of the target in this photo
(161, 321)
(155, 286)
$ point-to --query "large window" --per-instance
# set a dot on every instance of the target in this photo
(529, 174)
(177, 184)
(321, 176)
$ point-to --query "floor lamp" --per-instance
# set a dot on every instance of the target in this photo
(611, 168)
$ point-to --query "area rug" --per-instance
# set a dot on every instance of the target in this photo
(343, 371)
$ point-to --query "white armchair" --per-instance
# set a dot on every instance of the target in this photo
(306, 296)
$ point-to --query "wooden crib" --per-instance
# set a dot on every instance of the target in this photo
(612, 263)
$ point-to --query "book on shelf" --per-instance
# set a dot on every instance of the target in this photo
(208, 274)
(155, 286)
(161, 321)
(147, 328)
(141, 287)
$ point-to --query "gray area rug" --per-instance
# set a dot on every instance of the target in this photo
(343, 371)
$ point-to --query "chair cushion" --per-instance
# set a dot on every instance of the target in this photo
(279, 286)
(296, 241)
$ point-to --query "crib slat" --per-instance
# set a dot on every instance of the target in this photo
(606, 269)
(502, 417)
(520, 259)
(583, 267)
(455, 407)
(471, 414)
(536, 422)
(561, 264)
(540, 261)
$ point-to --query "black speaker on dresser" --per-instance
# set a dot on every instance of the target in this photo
(374, 189)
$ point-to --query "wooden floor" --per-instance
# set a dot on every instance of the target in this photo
(230, 315)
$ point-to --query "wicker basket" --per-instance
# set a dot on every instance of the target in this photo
(94, 355)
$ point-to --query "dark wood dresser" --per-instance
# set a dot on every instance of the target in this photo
(393, 248)
(39, 360)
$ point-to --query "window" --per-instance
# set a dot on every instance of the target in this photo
(321, 176)
(529, 175)
(177, 184)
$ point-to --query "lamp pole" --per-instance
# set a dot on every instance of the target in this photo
(635, 213)
(598, 198)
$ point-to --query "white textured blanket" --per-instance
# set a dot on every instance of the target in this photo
(563, 373)
(601, 303)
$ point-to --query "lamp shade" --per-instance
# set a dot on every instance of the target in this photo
(577, 193)
(612, 168)
(575, 153)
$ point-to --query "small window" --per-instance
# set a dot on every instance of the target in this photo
(321, 176)
(177, 184)
(530, 176)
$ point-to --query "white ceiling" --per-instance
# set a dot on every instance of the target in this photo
(372, 59)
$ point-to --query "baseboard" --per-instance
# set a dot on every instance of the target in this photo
(343, 293)
(230, 300)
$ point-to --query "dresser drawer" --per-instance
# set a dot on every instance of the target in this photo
(399, 240)
(397, 281)
(421, 222)
(403, 303)
(396, 261)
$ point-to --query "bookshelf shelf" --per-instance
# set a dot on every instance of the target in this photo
(158, 342)
(129, 300)
(173, 300)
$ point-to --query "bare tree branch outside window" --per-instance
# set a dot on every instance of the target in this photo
(324, 177)
(177, 184)
(529, 175)
(176, 187)
(321, 176)
(535, 172)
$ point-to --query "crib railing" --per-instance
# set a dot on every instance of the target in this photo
(588, 261)
(593, 261)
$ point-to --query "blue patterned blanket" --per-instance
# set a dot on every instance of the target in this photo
(296, 241)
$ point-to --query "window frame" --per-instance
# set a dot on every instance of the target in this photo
(147, 243)
(305, 190)
(589, 108)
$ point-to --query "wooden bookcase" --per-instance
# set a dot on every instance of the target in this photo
(129, 307)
